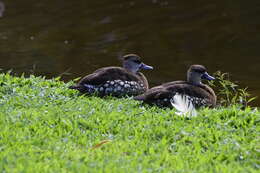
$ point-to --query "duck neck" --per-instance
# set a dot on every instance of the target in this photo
(129, 68)
(194, 78)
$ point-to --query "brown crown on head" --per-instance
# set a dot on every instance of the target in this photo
(131, 57)
(197, 68)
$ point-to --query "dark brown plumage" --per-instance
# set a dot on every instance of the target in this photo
(116, 81)
(199, 93)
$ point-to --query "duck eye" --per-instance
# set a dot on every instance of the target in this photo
(137, 61)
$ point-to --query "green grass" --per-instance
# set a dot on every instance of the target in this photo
(46, 127)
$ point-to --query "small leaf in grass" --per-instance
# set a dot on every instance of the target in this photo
(100, 144)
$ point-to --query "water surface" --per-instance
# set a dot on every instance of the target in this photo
(76, 37)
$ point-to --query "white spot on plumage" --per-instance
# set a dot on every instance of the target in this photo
(108, 90)
(132, 83)
(127, 86)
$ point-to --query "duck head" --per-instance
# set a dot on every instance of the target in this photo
(132, 63)
(196, 73)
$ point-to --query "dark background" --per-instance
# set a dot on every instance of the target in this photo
(52, 37)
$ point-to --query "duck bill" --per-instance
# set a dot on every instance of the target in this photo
(207, 76)
(145, 67)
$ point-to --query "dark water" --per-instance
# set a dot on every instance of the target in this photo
(52, 37)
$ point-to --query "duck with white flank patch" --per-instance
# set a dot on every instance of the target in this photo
(116, 81)
(193, 91)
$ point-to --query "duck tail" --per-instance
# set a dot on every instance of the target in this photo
(80, 88)
(183, 105)
(73, 87)
(83, 88)
(138, 98)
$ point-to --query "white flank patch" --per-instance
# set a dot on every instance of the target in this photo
(183, 105)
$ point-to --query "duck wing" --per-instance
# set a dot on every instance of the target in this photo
(105, 74)
(159, 96)
(158, 92)
(197, 94)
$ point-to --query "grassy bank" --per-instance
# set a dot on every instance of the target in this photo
(46, 127)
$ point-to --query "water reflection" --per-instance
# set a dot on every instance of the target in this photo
(84, 35)
(2, 8)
